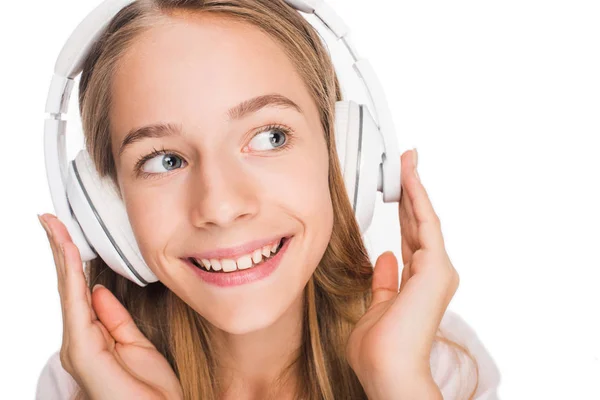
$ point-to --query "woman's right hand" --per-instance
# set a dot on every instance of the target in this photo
(102, 348)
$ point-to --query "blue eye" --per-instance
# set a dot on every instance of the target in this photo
(164, 160)
(158, 162)
(270, 138)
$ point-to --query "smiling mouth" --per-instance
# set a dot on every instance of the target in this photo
(221, 269)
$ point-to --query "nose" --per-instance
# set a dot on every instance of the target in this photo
(222, 193)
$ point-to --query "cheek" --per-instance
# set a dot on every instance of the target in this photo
(308, 199)
(151, 217)
(300, 184)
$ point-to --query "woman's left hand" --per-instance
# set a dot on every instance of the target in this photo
(390, 346)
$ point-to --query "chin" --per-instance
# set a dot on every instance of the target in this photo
(243, 322)
(250, 308)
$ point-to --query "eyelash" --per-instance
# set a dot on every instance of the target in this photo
(162, 151)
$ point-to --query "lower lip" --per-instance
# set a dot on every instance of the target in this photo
(243, 276)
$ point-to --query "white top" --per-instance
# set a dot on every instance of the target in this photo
(56, 384)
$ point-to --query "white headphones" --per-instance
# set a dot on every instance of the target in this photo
(90, 207)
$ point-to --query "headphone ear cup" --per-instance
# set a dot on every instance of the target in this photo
(371, 169)
(342, 110)
(359, 145)
(103, 219)
(347, 129)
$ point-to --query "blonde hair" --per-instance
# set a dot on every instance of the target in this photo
(340, 288)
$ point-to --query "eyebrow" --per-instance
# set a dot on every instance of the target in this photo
(235, 113)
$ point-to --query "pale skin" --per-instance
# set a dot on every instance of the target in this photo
(260, 322)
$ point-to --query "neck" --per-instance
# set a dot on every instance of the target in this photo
(251, 363)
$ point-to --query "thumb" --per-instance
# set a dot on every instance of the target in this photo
(385, 279)
(116, 319)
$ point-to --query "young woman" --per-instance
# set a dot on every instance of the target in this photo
(215, 121)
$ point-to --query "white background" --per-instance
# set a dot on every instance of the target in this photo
(502, 100)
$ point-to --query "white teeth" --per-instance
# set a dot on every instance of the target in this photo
(244, 262)
(275, 246)
(266, 251)
(257, 256)
(215, 264)
(228, 265)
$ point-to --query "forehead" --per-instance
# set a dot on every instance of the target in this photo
(192, 69)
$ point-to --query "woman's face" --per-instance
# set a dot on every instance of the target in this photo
(227, 178)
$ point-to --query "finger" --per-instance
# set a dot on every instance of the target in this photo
(79, 313)
(53, 246)
(77, 310)
(407, 248)
(408, 225)
(108, 339)
(406, 161)
(429, 230)
(406, 272)
(385, 279)
(116, 318)
(88, 296)
(423, 301)
(58, 262)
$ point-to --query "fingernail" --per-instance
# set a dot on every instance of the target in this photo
(45, 226)
(416, 156)
(96, 286)
(416, 163)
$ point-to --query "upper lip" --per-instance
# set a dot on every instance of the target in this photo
(236, 251)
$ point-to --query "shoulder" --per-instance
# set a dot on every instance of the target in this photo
(54, 383)
(454, 371)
